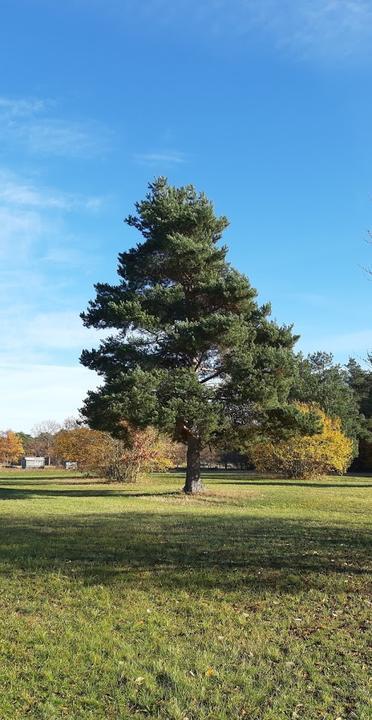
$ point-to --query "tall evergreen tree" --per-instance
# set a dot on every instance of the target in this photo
(194, 354)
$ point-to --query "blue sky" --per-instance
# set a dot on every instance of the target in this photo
(265, 106)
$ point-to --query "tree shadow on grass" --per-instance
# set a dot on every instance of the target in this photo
(22, 493)
(30, 479)
(296, 483)
(184, 551)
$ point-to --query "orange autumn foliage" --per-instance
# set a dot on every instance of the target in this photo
(149, 451)
(11, 447)
(97, 452)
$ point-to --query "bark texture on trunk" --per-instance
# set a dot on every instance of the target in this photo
(193, 483)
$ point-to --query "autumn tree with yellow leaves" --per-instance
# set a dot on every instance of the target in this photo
(11, 447)
(305, 456)
(97, 452)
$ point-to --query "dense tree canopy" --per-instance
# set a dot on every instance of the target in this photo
(360, 382)
(319, 380)
(192, 353)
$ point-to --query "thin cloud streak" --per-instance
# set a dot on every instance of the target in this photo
(60, 138)
(11, 108)
(35, 234)
(19, 231)
(19, 192)
(50, 331)
(29, 122)
(160, 158)
(334, 29)
(320, 29)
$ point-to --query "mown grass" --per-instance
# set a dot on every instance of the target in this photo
(136, 602)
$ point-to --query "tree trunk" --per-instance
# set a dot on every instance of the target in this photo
(193, 483)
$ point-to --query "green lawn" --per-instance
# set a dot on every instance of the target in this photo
(137, 602)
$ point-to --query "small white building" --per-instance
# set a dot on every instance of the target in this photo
(33, 462)
(71, 465)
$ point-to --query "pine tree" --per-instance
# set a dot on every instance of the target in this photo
(194, 354)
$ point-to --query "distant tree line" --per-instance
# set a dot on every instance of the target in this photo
(343, 393)
(95, 452)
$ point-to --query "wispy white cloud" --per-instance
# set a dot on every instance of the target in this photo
(33, 232)
(65, 254)
(22, 283)
(328, 29)
(20, 192)
(58, 137)
(61, 331)
(34, 237)
(40, 334)
(160, 158)
(37, 387)
(34, 124)
(19, 231)
(19, 107)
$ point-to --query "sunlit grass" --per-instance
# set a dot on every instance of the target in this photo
(119, 601)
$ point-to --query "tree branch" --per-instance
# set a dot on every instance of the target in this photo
(210, 377)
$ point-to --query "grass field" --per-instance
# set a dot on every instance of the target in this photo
(137, 602)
